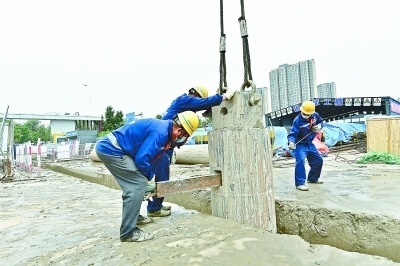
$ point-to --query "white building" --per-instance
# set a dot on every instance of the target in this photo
(327, 90)
(265, 98)
(292, 84)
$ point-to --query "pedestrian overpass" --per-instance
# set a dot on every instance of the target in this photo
(75, 117)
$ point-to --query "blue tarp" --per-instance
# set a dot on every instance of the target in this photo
(280, 137)
(335, 132)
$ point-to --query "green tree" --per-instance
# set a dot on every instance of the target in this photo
(44, 133)
(159, 116)
(31, 130)
(113, 120)
(21, 133)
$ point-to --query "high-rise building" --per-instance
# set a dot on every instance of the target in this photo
(327, 90)
(292, 84)
(265, 98)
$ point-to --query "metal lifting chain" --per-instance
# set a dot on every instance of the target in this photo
(246, 53)
(222, 49)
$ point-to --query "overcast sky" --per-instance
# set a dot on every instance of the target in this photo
(137, 56)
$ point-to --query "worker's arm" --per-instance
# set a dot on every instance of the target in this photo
(318, 123)
(197, 104)
(148, 152)
(294, 131)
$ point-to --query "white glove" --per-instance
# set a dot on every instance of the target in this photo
(229, 93)
(292, 146)
(316, 128)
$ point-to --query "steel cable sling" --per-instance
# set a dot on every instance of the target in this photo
(222, 63)
(222, 51)
(248, 78)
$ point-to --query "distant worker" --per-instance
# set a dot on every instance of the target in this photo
(304, 129)
(195, 100)
(129, 153)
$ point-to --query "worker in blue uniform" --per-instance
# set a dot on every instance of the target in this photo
(129, 153)
(304, 129)
(195, 100)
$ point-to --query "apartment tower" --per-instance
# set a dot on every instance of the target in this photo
(292, 84)
(327, 90)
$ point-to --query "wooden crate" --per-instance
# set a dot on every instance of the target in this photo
(383, 134)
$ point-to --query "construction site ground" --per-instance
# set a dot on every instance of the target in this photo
(70, 215)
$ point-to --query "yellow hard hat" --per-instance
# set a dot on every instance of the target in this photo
(189, 120)
(308, 108)
(202, 91)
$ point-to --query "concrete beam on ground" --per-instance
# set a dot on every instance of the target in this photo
(174, 186)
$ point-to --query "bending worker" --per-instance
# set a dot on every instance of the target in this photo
(129, 153)
(304, 128)
(195, 100)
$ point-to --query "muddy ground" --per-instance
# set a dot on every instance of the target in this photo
(60, 219)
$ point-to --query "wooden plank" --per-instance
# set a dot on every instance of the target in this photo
(394, 138)
(187, 184)
(378, 134)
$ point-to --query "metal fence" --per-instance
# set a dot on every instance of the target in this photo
(29, 157)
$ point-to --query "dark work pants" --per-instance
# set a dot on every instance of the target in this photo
(161, 171)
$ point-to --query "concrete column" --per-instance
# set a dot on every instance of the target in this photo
(239, 148)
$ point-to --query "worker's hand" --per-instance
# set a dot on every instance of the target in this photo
(316, 128)
(229, 94)
(207, 113)
(292, 146)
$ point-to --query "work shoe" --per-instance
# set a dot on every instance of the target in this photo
(138, 236)
(144, 220)
(160, 213)
(315, 182)
(166, 208)
(302, 188)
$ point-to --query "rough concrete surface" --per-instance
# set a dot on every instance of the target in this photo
(59, 219)
(356, 209)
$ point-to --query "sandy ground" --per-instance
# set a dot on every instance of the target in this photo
(62, 220)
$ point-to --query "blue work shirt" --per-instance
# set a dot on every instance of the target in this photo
(186, 102)
(301, 127)
(144, 141)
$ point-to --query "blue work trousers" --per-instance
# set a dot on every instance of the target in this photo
(315, 161)
(133, 184)
(161, 171)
